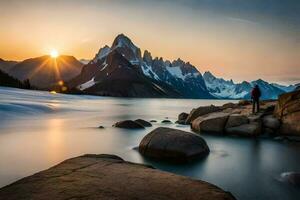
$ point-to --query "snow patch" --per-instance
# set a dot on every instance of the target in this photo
(86, 85)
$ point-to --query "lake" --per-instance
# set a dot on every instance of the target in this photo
(39, 130)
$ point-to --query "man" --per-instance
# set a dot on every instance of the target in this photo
(255, 95)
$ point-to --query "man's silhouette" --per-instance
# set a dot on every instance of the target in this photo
(255, 95)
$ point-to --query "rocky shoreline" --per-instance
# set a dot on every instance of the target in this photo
(276, 118)
(107, 176)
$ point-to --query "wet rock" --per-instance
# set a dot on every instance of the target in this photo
(109, 177)
(288, 111)
(153, 121)
(291, 178)
(182, 118)
(195, 113)
(247, 130)
(236, 120)
(268, 131)
(143, 122)
(211, 123)
(128, 124)
(172, 144)
(271, 122)
(101, 127)
(166, 121)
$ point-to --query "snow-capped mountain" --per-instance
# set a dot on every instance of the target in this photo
(285, 88)
(228, 89)
(157, 76)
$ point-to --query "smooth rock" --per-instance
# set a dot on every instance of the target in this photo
(211, 123)
(182, 118)
(268, 131)
(166, 121)
(195, 113)
(143, 122)
(128, 124)
(153, 121)
(173, 144)
(271, 122)
(255, 118)
(236, 120)
(109, 177)
(248, 130)
(291, 178)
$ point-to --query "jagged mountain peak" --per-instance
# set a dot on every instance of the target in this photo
(102, 53)
(177, 75)
(123, 41)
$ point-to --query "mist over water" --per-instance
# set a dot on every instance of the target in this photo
(39, 130)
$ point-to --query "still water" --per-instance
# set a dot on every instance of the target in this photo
(39, 130)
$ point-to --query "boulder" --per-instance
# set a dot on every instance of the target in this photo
(182, 118)
(109, 177)
(143, 122)
(166, 121)
(288, 112)
(247, 130)
(255, 118)
(211, 123)
(269, 121)
(128, 124)
(291, 178)
(172, 144)
(268, 131)
(236, 120)
(195, 113)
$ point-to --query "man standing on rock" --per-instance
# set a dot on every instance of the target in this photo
(255, 95)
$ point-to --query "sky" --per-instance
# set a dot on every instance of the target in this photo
(234, 39)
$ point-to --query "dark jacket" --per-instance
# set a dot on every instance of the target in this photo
(255, 94)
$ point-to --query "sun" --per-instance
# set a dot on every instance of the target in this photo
(54, 53)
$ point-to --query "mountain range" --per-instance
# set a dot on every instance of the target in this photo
(122, 70)
(227, 89)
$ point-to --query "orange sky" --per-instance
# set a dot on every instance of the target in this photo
(230, 46)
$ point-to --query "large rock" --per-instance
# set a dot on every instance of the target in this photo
(109, 177)
(236, 120)
(172, 144)
(271, 122)
(195, 113)
(143, 122)
(128, 124)
(288, 111)
(291, 178)
(247, 130)
(211, 123)
(182, 118)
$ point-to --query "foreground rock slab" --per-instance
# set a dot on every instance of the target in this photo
(109, 177)
(173, 145)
